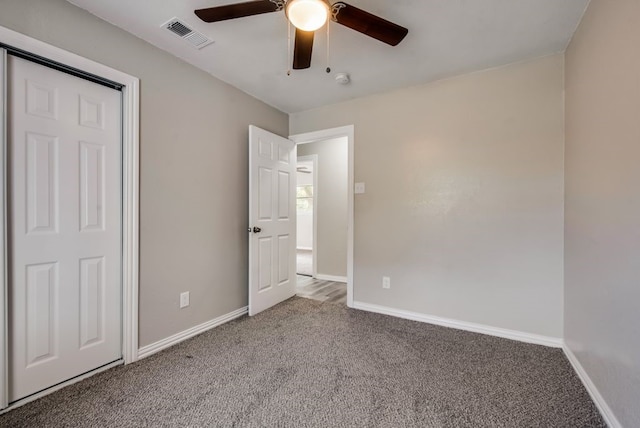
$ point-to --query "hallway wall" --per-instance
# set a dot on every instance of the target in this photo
(332, 204)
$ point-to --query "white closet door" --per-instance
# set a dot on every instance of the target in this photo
(65, 227)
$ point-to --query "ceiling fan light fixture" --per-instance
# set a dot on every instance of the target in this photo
(307, 15)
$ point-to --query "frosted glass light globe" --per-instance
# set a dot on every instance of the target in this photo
(307, 15)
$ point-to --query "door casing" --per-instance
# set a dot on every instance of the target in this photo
(327, 134)
(130, 189)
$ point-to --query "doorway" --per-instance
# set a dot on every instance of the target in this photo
(325, 208)
(306, 215)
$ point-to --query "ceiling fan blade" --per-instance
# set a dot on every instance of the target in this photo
(369, 24)
(238, 10)
(302, 49)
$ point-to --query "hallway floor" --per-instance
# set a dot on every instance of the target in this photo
(304, 262)
(323, 291)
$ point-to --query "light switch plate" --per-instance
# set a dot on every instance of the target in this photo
(359, 188)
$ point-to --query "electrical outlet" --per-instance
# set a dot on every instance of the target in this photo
(184, 299)
(386, 282)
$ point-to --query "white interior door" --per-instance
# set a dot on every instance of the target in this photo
(272, 219)
(65, 227)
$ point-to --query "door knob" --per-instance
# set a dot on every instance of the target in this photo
(257, 230)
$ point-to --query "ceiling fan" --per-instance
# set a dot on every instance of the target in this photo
(308, 16)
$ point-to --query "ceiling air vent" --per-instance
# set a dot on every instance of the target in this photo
(195, 39)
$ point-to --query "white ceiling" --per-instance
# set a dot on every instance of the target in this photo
(446, 38)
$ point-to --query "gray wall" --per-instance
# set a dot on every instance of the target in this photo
(464, 195)
(602, 225)
(332, 203)
(304, 221)
(193, 195)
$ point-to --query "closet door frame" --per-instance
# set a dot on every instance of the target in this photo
(4, 315)
(12, 40)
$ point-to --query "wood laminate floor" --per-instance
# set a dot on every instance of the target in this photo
(324, 291)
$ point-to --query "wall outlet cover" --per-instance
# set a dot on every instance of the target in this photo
(184, 299)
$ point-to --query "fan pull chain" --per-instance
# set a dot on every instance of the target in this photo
(289, 59)
(328, 70)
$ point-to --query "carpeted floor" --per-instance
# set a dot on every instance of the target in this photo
(311, 364)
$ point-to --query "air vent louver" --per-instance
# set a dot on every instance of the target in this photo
(195, 39)
(179, 28)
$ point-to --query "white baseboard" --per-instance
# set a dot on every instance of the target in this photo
(158, 346)
(554, 342)
(333, 278)
(304, 248)
(608, 416)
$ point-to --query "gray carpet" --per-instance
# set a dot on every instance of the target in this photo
(311, 364)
